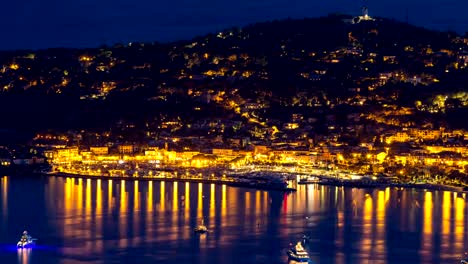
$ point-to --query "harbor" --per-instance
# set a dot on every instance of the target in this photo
(268, 182)
(375, 182)
(93, 219)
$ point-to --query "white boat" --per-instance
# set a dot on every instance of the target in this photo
(298, 253)
(26, 241)
(201, 228)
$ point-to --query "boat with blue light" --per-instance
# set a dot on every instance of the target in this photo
(298, 253)
(26, 241)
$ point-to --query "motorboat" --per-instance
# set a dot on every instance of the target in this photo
(201, 228)
(26, 241)
(464, 258)
(298, 253)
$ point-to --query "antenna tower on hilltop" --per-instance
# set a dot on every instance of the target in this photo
(365, 10)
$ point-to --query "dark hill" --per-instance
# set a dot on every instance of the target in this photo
(295, 64)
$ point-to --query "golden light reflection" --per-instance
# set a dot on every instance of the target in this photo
(186, 202)
(149, 207)
(368, 210)
(446, 210)
(50, 193)
(339, 236)
(340, 220)
(68, 192)
(322, 197)
(123, 198)
(109, 195)
(98, 208)
(341, 204)
(79, 191)
(427, 228)
(313, 198)
(366, 242)
(175, 214)
(249, 208)
(223, 203)
(381, 209)
(123, 241)
(68, 188)
(233, 195)
(459, 224)
(136, 196)
(187, 199)
(162, 194)
(212, 200)
(200, 201)
(98, 197)
(258, 209)
(4, 183)
(150, 197)
(68, 205)
(87, 216)
(88, 197)
(380, 244)
(175, 200)
(387, 194)
(136, 213)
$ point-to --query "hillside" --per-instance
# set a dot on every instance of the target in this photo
(254, 76)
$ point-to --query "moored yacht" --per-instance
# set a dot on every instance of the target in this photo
(201, 228)
(298, 253)
(26, 241)
(464, 259)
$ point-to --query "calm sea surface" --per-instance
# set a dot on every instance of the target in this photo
(104, 221)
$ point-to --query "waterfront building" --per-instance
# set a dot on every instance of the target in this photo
(99, 150)
(126, 149)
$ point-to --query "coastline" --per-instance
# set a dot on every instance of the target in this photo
(228, 181)
(377, 185)
(244, 182)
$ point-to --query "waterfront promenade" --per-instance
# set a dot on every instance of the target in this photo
(268, 183)
(369, 183)
(258, 177)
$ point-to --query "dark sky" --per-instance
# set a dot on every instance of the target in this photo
(90, 23)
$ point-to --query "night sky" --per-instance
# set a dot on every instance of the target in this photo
(90, 23)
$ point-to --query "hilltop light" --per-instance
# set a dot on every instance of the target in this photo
(85, 58)
(14, 66)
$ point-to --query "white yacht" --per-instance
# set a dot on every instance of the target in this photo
(26, 241)
(201, 228)
(298, 253)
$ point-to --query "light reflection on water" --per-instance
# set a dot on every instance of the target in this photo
(105, 221)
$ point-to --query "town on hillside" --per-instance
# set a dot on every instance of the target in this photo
(337, 95)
